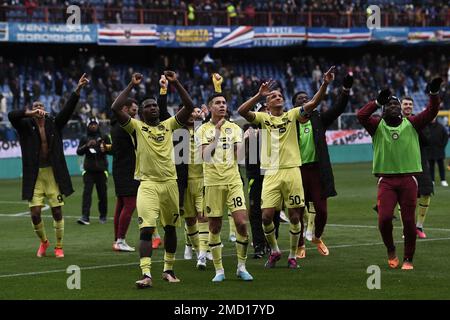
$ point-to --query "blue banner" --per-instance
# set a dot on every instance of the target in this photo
(428, 35)
(337, 37)
(52, 33)
(182, 37)
(217, 37)
(128, 35)
(229, 37)
(390, 35)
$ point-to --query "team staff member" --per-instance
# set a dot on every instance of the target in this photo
(396, 162)
(94, 147)
(158, 192)
(317, 173)
(124, 162)
(45, 173)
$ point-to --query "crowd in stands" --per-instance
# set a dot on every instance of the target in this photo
(50, 81)
(401, 12)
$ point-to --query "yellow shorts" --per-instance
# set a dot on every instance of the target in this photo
(158, 200)
(46, 186)
(284, 185)
(193, 198)
(220, 199)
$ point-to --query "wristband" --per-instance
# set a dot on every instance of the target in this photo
(304, 113)
(162, 91)
(217, 87)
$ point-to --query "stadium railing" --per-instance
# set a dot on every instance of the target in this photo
(219, 18)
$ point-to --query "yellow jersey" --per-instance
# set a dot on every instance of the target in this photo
(279, 142)
(154, 152)
(223, 168)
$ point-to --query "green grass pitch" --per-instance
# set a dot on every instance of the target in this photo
(351, 235)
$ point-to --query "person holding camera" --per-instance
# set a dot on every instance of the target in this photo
(94, 146)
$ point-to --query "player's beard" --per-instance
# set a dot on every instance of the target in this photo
(393, 120)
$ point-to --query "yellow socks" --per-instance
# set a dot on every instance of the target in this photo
(269, 232)
(192, 234)
(241, 248)
(187, 241)
(215, 246)
(169, 259)
(146, 265)
(59, 232)
(294, 236)
(424, 203)
(203, 235)
(40, 231)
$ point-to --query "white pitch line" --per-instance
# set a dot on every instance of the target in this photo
(84, 268)
(376, 227)
(226, 221)
(21, 214)
(224, 255)
(24, 214)
(13, 202)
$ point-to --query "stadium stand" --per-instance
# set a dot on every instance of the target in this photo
(26, 79)
(336, 13)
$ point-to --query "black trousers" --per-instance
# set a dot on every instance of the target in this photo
(98, 179)
(255, 214)
(440, 164)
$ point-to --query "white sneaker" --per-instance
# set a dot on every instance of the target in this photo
(209, 256)
(123, 246)
(201, 262)
(283, 217)
(309, 235)
(187, 253)
(444, 183)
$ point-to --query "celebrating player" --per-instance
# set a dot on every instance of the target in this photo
(281, 160)
(190, 185)
(396, 162)
(45, 172)
(158, 192)
(317, 174)
(220, 139)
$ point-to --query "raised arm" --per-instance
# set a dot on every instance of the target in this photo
(314, 102)
(64, 115)
(426, 116)
(264, 91)
(364, 115)
(329, 116)
(84, 145)
(217, 82)
(188, 106)
(17, 117)
(117, 105)
(162, 99)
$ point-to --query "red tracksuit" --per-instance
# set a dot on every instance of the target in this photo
(401, 188)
